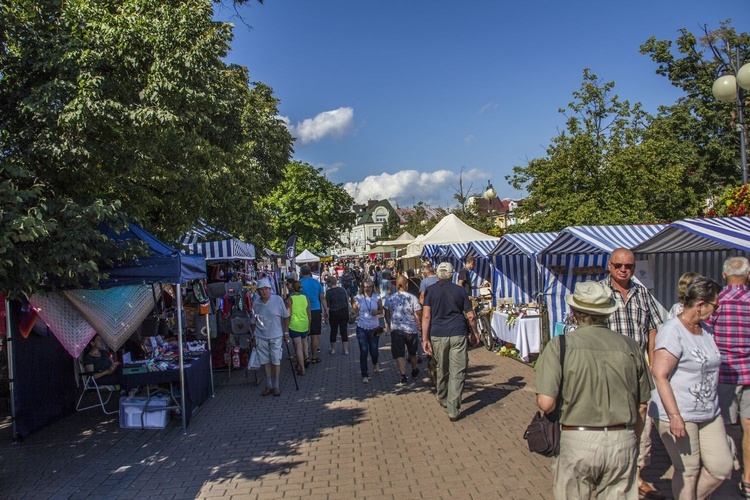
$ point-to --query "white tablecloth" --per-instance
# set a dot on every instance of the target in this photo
(525, 333)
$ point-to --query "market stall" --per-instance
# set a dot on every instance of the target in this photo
(43, 381)
(525, 332)
(697, 245)
(581, 253)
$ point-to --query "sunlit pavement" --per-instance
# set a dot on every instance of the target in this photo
(334, 438)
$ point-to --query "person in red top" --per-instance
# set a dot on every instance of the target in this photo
(731, 326)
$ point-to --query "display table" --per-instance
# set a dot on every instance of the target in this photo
(197, 381)
(525, 333)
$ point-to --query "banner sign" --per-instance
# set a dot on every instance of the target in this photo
(291, 250)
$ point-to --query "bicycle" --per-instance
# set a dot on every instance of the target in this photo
(482, 309)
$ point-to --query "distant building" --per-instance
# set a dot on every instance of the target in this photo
(502, 211)
(367, 227)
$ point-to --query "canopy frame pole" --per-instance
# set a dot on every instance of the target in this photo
(182, 359)
(208, 343)
(11, 372)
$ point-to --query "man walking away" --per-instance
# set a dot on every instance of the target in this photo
(444, 336)
(604, 392)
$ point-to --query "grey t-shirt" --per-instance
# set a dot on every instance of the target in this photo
(696, 377)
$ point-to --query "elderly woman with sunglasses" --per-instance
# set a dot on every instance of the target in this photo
(369, 308)
(685, 368)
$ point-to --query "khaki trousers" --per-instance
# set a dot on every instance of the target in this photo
(452, 360)
(601, 462)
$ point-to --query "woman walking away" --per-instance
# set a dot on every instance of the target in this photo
(369, 308)
(299, 324)
(686, 401)
(338, 314)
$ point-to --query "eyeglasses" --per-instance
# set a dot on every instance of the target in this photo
(618, 265)
(716, 306)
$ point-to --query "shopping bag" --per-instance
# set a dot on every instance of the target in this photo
(254, 362)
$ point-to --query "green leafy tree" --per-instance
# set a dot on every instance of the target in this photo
(123, 109)
(307, 204)
(692, 63)
(604, 168)
(391, 227)
(420, 221)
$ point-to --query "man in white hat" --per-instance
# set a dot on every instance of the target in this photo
(271, 329)
(602, 388)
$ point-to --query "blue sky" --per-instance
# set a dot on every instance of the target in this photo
(394, 98)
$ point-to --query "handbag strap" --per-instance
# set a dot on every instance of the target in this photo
(562, 375)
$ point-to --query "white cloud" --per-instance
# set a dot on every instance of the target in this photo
(330, 169)
(408, 187)
(489, 106)
(335, 123)
(470, 138)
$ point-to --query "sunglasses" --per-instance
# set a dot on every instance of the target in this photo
(618, 265)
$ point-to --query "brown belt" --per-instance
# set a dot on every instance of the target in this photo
(619, 427)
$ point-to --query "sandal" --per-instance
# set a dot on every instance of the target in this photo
(744, 489)
(307, 362)
(315, 360)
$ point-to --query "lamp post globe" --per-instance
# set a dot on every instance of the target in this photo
(743, 77)
(725, 88)
(489, 193)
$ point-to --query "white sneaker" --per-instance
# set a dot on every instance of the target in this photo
(365, 380)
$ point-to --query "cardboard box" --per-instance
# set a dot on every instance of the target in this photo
(131, 410)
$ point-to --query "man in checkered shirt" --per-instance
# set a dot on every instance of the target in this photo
(731, 326)
(638, 318)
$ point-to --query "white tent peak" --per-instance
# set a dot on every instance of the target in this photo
(306, 256)
(449, 230)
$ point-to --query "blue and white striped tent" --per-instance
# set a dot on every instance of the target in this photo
(231, 249)
(228, 249)
(577, 248)
(517, 271)
(693, 245)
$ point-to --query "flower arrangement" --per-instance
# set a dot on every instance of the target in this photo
(513, 316)
(734, 202)
(508, 352)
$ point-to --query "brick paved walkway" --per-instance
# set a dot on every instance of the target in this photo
(334, 438)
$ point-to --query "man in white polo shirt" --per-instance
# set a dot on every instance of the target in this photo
(271, 329)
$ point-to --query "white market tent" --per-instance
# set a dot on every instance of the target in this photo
(450, 230)
(306, 257)
(405, 239)
(451, 239)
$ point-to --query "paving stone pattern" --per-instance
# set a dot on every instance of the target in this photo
(334, 438)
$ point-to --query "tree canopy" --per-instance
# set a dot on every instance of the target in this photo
(307, 204)
(605, 168)
(114, 110)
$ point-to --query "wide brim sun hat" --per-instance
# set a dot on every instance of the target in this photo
(591, 297)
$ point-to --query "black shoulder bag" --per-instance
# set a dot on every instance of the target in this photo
(543, 433)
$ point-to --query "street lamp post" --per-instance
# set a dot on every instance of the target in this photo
(489, 195)
(729, 87)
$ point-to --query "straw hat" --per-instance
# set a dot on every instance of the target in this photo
(591, 297)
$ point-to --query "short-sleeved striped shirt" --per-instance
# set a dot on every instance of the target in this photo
(636, 315)
(731, 326)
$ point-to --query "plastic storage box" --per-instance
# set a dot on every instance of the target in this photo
(155, 417)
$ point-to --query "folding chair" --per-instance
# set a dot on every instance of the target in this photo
(90, 385)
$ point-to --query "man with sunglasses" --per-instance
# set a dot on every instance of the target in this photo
(636, 317)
